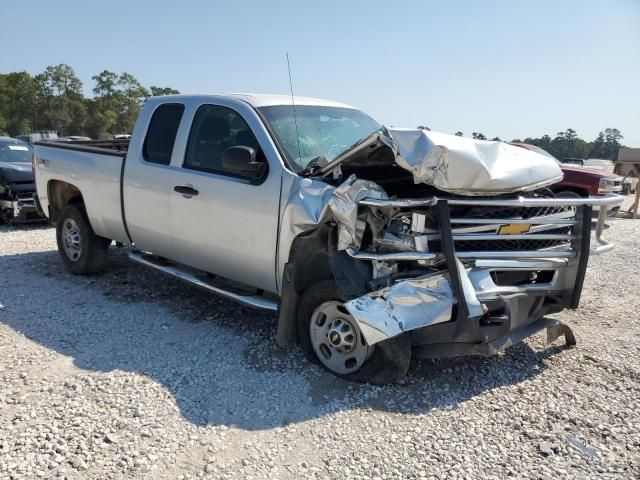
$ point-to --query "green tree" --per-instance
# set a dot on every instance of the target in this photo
(478, 136)
(17, 102)
(60, 102)
(130, 97)
(53, 100)
(459, 134)
(105, 86)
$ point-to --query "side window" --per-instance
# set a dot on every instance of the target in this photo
(161, 135)
(215, 129)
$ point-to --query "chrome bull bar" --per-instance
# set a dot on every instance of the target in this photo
(605, 203)
(425, 302)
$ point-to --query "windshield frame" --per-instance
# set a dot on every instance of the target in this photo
(290, 162)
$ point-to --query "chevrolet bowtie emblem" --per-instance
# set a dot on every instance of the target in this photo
(514, 229)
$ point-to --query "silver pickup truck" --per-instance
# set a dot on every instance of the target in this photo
(372, 244)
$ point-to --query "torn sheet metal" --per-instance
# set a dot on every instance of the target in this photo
(344, 207)
(472, 167)
(303, 206)
(406, 305)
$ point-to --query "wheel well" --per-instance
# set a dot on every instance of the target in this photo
(308, 263)
(314, 257)
(60, 194)
(310, 260)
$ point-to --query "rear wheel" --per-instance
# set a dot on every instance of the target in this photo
(330, 336)
(82, 251)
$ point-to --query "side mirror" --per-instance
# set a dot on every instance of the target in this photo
(241, 161)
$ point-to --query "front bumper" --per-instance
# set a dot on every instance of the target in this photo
(22, 207)
(484, 301)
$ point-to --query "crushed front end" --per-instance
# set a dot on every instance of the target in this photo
(457, 243)
(469, 275)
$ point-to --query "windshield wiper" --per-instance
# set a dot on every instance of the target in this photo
(314, 165)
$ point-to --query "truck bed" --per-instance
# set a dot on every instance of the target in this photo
(95, 169)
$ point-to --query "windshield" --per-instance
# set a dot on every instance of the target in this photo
(322, 131)
(14, 152)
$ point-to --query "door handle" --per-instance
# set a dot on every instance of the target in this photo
(186, 190)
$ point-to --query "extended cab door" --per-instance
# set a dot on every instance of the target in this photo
(220, 222)
(148, 177)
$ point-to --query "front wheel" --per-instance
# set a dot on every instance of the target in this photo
(568, 194)
(329, 335)
(82, 251)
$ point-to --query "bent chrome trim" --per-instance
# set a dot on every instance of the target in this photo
(540, 202)
(608, 200)
(605, 245)
(530, 221)
(414, 256)
(506, 265)
(393, 257)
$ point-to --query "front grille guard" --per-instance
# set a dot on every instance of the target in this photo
(576, 250)
(552, 221)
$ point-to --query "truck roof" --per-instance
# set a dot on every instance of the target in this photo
(266, 100)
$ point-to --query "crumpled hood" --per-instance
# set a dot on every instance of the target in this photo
(472, 167)
(11, 172)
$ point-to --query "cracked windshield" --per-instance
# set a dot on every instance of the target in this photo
(322, 131)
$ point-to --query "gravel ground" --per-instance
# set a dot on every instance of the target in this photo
(132, 374)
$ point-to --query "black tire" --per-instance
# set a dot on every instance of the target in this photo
(93, 254)
(6, 217)
(568, 194)
(390, 359)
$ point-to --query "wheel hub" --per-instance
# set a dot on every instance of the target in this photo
(341, 335)
(336, 338)
(71, 239)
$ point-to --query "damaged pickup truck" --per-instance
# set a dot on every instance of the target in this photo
(372, 244)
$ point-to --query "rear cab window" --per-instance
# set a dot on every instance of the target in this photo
(161, 134)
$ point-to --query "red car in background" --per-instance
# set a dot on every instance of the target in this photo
(580, 182)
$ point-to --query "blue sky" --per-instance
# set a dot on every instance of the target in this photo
(505, 68)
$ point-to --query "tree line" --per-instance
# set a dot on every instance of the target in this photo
(54, 100)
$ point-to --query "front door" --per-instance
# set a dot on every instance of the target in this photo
(222, 223)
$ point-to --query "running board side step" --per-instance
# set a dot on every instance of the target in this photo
(148, 260)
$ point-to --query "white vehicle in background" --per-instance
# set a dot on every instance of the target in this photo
(73, 138)
(38, 136)
(373, 245)
(628, 183)
(600, 164)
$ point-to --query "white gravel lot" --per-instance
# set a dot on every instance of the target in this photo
(132, 374)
